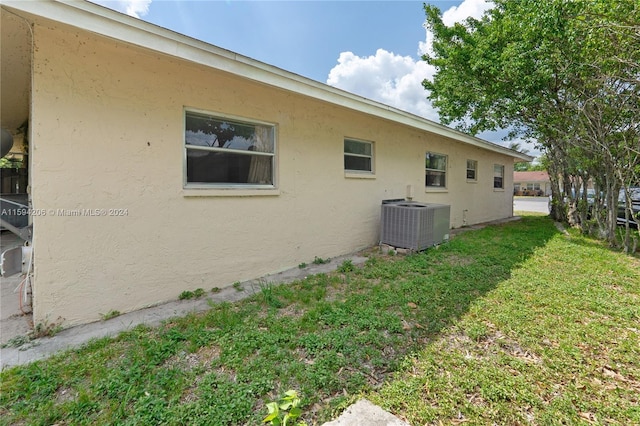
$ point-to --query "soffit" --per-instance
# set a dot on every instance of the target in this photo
(100, 20)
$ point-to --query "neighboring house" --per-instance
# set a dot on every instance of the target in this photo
(531, 183)
(160, 163)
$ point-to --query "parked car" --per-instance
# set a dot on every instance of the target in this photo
(591, 197)
(634, 221)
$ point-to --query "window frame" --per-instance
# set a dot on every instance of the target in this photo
(475, 171)
(443, 171)
(249, 188)
(501, 168)
(356, 172)
(533, 186)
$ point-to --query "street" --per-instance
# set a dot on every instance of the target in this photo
(531, 204)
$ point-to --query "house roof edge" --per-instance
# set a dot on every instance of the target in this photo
(103, 21)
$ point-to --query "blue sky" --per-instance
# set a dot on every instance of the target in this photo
(371, 48)
(305, 37)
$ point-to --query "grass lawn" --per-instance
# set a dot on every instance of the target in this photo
(510, 324)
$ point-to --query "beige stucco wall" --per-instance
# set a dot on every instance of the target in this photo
(15, 66)
(108, 129)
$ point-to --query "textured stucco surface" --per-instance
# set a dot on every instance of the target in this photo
(107, 133)
(15, 66)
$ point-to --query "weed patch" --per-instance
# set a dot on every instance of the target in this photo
(320, 261)
(196, 294)
(111, 314)
(346, 266)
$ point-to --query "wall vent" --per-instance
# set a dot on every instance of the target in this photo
(414, 226)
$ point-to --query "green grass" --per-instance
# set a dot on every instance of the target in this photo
(510, 324)
(558, 342)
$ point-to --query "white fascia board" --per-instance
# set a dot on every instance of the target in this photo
(106, 22)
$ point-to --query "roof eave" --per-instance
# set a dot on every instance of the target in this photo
(106, 22)
(523, 158)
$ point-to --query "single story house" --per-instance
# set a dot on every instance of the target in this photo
(159, 163)
(531, 183)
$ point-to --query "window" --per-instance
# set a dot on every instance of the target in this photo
(533, 186)
(228, 152)
(498, 176)
(358, 156)
(472, 167)
(436, 170)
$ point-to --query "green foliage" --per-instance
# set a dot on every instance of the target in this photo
(269, 295)
(477, 331)
(9, 163)
(187, 294)
(238, 286)
(17, 341)
(529, 167)
(46, 329)
(346, 266)
(320, 261)
(302, 265)
(285, 411)
(111, 314)
(547, 71)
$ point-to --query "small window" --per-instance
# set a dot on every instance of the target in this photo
(436, 170)
(358, 156)
(533, 186)
(228, 152)
(472, 169)
(498, 176)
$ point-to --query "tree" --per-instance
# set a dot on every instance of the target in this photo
(522, 166)
(544, 69)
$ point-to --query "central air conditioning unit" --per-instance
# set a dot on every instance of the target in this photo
(414, 226)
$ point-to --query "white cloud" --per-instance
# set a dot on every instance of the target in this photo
(468, 8)
(385, 77)
(135, 8)
(393, 79)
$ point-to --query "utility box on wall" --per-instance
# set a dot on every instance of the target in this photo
(414, 226)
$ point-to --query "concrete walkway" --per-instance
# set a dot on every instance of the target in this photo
(13, 322)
